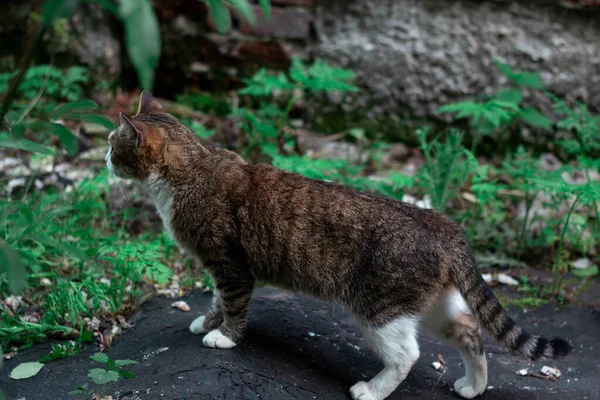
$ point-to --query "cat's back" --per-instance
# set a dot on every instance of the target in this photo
(282, 196)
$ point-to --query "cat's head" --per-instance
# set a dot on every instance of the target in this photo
(139, 147)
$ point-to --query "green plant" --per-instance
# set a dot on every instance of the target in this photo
(562, 191)
(36, 111)
(447, 167)
(524, 171)
(51, 81)
(113, 371)
(142, 34)
(66, 349)
(585, 142)
(342, 172)
(266, 126)
(529, 302)
(200, 130)
(488, 209)
(131, 262)
(58, 237)
(499, 111)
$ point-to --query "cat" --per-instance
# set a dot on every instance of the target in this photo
(395, 267)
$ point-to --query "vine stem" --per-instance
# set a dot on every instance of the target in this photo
(556, 269)
(283, 120)
(594, 203)
(528, 203)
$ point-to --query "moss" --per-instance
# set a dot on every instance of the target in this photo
(529, 302)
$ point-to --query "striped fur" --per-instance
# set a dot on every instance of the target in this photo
(495, 319)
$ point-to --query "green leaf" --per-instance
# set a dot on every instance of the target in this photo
(25, 145)
(159, 273)
(121, 363)
(72, 251)
(534, 118)
(467, 107)
(101, 376)
(298, 71)
(528, 80)
(264, 84)
(508, 97)
(80, 391)
(66, 137)
(358, 133)
(26, 370)
(126, 374)
(54, 10)
(266, 7)
(142, 36)
(244, 8)
(108, 5)
(521, 79)
(100, 357)
(586, 272)
(73, 106)
(505, 69)
(12, 265)
(96, 119)
(220, 14)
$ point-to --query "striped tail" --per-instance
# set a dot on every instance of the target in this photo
(497, 322)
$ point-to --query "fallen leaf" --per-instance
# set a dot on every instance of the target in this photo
(507, 280)
(523, 372)
(26, 370)
(181, 305)
(581, 263)
(550, 371)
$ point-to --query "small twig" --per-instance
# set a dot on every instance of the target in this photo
(544, 377)
(235, 100)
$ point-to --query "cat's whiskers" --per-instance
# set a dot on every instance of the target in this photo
(118, 182)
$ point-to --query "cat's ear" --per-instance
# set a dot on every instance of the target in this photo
(129, 130)
(148, 104)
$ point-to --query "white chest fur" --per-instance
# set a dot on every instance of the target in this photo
(162, 196)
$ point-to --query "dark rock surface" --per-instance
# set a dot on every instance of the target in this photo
(299, 348)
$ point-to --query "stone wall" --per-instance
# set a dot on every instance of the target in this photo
(411, 56)
(414, 56)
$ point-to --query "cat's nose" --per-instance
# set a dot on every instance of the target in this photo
(108, 153)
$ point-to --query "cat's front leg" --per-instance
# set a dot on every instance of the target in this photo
(211, 320)
(234, 297)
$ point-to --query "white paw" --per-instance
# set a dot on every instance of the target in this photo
(362, 391)
(216, 339)
(465, 388)
(197, 326)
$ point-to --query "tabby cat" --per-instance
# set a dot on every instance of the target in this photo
(395, 267)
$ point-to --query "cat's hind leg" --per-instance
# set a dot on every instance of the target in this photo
(451, 320)
(396, 345)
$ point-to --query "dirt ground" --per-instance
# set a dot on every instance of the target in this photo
(300, 348)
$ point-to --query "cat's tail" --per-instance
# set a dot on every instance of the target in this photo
(494, 318)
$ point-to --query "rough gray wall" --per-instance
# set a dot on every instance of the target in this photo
(414, 56)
